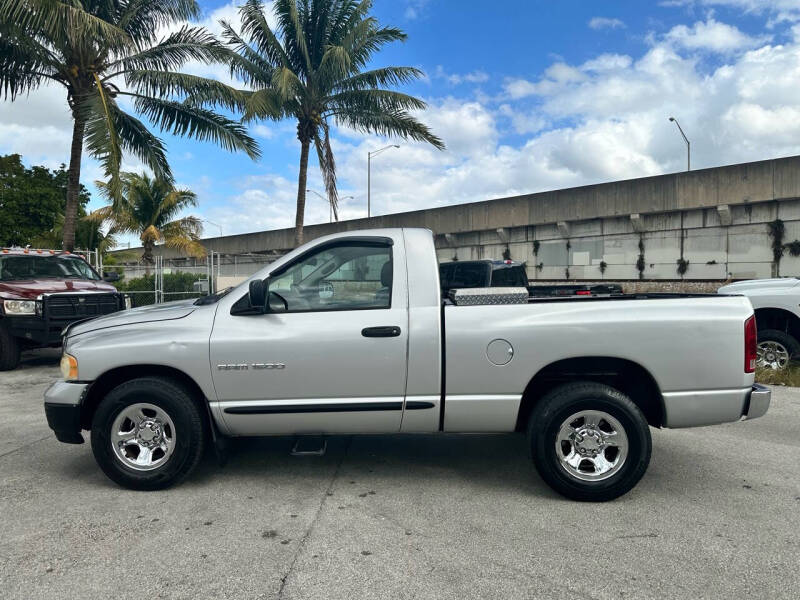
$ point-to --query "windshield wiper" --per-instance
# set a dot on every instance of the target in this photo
(212, 298)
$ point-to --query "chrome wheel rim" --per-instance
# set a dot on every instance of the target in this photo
(772, 355)
(591, 445)
(143, 436)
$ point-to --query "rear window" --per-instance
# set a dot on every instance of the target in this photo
(468, 275)
(509, 277)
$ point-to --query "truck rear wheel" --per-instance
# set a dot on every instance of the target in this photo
(589, 441)
(148, 434)
(9, 349)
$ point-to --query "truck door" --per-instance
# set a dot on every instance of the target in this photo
(330, 355)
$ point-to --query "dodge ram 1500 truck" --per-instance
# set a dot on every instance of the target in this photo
(43, 291)
(348, 334)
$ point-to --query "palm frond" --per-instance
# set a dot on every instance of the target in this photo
(196, 122)
(247, 64)
(102, 139)
(143, 18)
(266, 104)
(24, 61)
(287, 84)
(184, 236)
(376, 78)
(255, 26)
(200, 90)
(384, 123)
(172, 52)
(327, 165)
(374, 100)
(55, 17)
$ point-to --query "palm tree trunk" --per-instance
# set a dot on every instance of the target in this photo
(301, 192)
(147, 257)
(73, 183)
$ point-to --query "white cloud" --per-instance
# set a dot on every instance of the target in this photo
(713, 36)
(262, 131)
(605, 23)
(477, 76)
(414, 9)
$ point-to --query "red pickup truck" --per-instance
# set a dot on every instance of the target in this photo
(43, 291)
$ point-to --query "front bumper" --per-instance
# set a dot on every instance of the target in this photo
(62, 406)
(757, 403)
(36, 330)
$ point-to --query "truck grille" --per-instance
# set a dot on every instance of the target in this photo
(77, 306)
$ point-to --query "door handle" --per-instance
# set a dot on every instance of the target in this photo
(389, 331)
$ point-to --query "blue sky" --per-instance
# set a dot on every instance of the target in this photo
(527, 95)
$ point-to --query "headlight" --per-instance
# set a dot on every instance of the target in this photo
(19, 307)
(69, 367)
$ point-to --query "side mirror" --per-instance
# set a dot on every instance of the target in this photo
(110, 276)
(258, 294)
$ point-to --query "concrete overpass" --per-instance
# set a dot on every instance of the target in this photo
(713, 221)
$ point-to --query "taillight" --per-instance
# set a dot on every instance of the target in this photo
(750, 345)
(583, 293)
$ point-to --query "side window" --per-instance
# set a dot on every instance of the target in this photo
(446, 274)
(344, 277)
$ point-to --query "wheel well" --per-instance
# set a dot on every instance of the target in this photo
(780, 319)
(624, 375)
(111, 379)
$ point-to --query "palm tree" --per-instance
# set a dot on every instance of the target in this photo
(89, 234)
(311, 68)
(103, 51)
(149, 208)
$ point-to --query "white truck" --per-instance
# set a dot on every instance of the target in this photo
(777, 308)
(349, 334)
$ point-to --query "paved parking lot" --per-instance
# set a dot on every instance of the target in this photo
(717, 515)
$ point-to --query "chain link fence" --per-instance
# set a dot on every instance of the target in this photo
(170, 279)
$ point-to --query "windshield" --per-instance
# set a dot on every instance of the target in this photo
(16, 268)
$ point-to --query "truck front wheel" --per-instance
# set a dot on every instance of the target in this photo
(9, 349)
(148, 434)
(589, 441)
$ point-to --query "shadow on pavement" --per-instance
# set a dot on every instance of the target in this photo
(41, 357)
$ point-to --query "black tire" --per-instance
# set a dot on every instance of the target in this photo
(189, 434)
(561, 403)
(9, 349)
(784, 339)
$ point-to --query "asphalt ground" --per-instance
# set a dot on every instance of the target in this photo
(436, 516)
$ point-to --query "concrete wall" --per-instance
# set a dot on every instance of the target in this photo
(716, 219)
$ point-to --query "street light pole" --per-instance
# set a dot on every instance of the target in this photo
(369, 174)
(688, 144)
(330, 206)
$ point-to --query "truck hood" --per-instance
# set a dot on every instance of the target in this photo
(144, 314)
(743, 287)
(30, 289)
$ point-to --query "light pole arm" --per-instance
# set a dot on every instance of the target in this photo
(688, 144)
(369, 173)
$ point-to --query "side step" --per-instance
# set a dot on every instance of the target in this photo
(309, 445)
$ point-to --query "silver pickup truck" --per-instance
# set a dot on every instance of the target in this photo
(349, 334)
